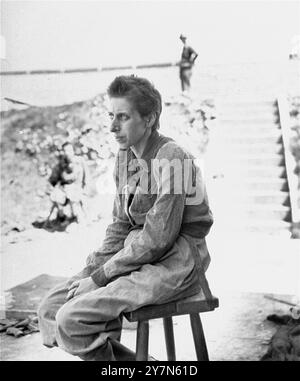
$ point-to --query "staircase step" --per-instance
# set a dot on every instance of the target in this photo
(247, 133)
(258, 183)
(271, 148)
(265, 212)
(247, 120)
(254, 159)
(270, 137)
(239, 221)
(269, 227)
(246, 104)
(261, 113)
(235, 127)
(261, 171)
(262, 197)
(251, 129)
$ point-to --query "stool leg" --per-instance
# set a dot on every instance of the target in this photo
(121, 322)
(169, 335)
(142, 340)
(199, 339)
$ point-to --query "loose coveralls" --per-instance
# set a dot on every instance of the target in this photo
(154, 252)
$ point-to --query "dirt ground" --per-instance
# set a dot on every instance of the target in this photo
(237, 331)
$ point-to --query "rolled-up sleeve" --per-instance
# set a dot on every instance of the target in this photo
(162, 224)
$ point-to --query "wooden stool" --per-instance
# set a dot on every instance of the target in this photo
(192, 305)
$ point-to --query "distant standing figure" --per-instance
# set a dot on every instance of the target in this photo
(188, 57)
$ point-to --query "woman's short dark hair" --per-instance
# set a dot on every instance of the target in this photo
(141, 92)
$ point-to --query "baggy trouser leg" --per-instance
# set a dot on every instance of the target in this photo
(89, 325)
(49, 306)
(91, 336)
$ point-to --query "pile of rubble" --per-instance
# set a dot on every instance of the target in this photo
(88, 130)
(32, 138)
(18, 328)
(285, 344)
(41, 138)
(188, 121)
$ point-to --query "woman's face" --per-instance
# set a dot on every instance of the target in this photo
(127, 124)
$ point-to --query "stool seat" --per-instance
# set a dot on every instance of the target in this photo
(192, 306)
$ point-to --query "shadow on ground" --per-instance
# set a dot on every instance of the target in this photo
(57, 225)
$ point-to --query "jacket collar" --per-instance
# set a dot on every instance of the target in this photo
(154, 143)
(149, 151)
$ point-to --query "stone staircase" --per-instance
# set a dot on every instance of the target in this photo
(253, 194)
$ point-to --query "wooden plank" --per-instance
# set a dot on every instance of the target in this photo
(142, 341)
(194, 304)
(151, 312)
(199, 338)
(169, 337)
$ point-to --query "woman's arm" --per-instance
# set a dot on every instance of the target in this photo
(193, 55)
(116, 232)
(115, 236)
(161, 227)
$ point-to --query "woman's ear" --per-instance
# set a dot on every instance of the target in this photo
(150, 120)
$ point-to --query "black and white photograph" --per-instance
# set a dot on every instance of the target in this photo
(150, 183)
